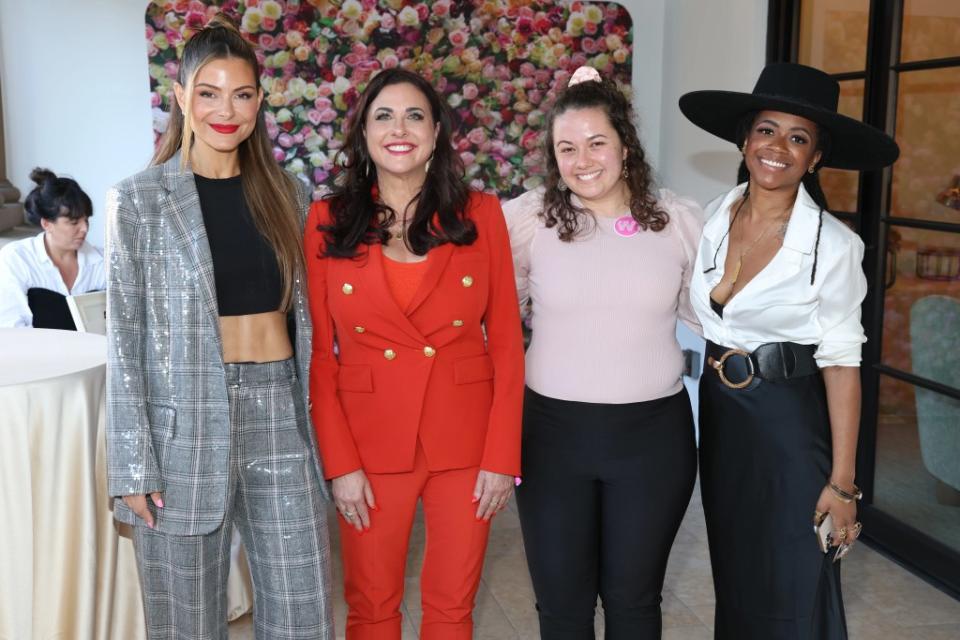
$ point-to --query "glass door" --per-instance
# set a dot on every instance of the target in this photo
(898, 65)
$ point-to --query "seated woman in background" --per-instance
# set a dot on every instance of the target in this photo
(36, 274)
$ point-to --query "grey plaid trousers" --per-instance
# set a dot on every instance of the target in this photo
(274, 499)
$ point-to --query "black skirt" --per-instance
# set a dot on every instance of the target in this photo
(765, 456)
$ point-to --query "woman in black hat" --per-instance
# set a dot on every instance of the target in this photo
(778, 287)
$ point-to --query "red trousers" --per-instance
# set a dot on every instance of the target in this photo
(374, 562)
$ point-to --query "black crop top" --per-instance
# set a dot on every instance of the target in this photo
(244, 264)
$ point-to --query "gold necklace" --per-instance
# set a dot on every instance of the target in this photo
(743, 254)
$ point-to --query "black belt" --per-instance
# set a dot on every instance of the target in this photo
(773, 362)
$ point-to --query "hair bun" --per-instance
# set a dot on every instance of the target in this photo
(40, 175)
(223, 21)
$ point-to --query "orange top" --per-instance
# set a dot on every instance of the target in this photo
(403, 279)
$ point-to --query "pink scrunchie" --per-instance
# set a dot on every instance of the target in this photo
(584, 74)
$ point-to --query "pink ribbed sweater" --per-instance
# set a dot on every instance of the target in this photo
(605, 307)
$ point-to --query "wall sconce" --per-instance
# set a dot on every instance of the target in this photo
(950, 197)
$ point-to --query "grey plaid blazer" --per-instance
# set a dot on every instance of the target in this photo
(165, 371)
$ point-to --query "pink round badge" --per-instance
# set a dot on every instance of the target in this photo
(626, 226)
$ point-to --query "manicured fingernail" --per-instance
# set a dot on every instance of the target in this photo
(517, 480)
(159, 503)
(475, 499)
(150, 524)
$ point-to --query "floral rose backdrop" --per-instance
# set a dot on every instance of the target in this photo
(498, 63)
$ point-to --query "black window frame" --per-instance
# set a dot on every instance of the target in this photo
(931, 559)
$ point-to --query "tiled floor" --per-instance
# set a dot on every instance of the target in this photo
(884, 601)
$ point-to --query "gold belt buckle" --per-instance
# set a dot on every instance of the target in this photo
(718, 365)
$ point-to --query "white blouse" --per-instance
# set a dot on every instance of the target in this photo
(605, 305)
(25, 265)
(780, 304)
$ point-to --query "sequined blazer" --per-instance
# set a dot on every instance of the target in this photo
(168, 421)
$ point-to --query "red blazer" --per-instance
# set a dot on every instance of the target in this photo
(425, 371)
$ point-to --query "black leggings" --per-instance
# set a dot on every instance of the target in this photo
(604, 489)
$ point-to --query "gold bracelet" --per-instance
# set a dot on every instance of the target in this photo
(845, 496)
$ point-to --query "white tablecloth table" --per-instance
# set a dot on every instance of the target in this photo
(65, 571)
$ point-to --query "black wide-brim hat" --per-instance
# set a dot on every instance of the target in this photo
(802, 91)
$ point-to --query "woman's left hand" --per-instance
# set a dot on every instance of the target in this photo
(492, 492)
(844, 516)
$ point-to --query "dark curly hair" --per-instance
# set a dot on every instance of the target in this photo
(358, 218)
(55, 197)
(558, 210)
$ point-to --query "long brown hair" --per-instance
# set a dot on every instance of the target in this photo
(558, 209)
(271, 194)
(360, 219)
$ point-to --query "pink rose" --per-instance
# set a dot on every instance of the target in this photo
(313, 116)
(477, 136)
(171, 68)
(325, 132)
(390, 61)
(298, 138)
(268, 24)
(527, 70)
(322, 103)
(470, 91)
(267, 42)
(534, 96)
(477, 184)
(339, 69)
(467, 158)
(588, 45)
(458, 38)
(520, 119)
(441, 8)
(423, 12)
(360, 49)
(351, 59)
(285, 140)
(278, 154)
(325, 89)
(529, 140)
(387, 22)
(328, 115)
(154, 99)
(195, 20)
(524, 26)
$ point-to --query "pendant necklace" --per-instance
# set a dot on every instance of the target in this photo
(745, 252)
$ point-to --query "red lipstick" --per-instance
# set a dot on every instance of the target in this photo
(225, 128)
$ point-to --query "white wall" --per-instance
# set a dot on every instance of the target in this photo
(76, 93)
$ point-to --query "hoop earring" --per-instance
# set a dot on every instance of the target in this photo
(561, 185)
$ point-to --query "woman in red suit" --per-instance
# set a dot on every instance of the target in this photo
(417, 374)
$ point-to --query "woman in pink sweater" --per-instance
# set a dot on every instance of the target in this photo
(609, 458)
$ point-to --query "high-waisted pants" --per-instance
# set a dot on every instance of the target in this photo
(274, 500)
(374, 562)
(605, 487)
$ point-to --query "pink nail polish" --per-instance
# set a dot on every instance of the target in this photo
(159, 503)
(150, 524)
(517, 480)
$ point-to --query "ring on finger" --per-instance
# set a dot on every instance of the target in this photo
(349, 514)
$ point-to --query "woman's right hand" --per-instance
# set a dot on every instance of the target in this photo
(138, 504)
(353, 495)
